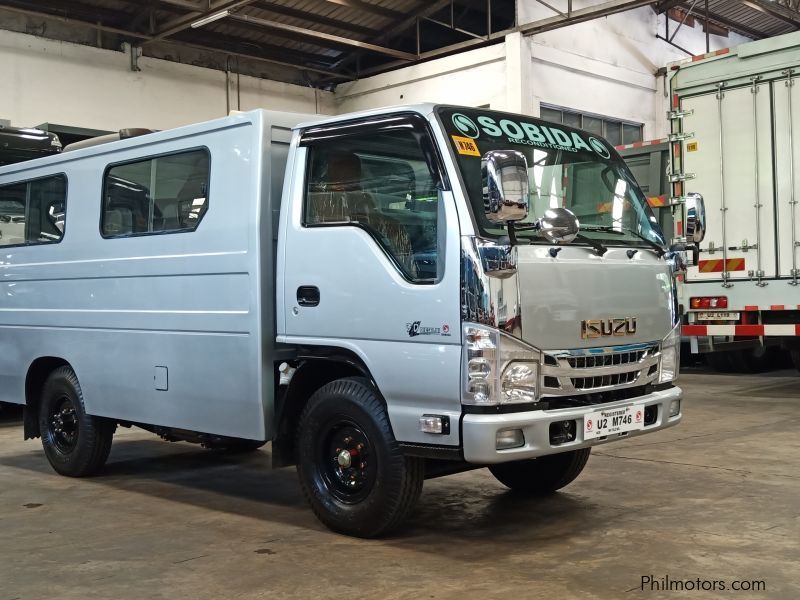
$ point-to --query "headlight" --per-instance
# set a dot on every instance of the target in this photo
(498, 368)
(670, 356)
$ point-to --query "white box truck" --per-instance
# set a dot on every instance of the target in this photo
(736, 139)
(385, 296)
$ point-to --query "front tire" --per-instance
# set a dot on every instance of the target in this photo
(352, 470)
(76, 444)
(543, 475)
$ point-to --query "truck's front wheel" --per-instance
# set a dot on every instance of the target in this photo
(542, 475)
(351, 468)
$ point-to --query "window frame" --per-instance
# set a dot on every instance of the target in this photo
(603, 118)
(152, 157)
(27, 183)
(364, 126)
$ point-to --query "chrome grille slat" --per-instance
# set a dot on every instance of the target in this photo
(582, 371)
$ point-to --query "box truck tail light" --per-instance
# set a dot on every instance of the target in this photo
(709, 302)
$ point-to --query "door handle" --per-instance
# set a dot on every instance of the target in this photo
(308, 295)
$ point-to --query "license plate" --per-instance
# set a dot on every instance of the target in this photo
(601, 423)
(717, 316)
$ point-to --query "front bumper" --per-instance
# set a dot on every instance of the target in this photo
(479, 432)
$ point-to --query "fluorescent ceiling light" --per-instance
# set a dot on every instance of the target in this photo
(210, 19)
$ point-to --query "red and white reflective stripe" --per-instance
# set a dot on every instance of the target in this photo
(710, 54)
(753, 308)
(641, 144)
(743, 330)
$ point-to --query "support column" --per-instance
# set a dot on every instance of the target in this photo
(519, 94)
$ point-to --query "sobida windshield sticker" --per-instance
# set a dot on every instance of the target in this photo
(521, 132)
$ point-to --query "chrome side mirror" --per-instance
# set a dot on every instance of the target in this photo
(695, 224)
(505, 185)
(558, 225)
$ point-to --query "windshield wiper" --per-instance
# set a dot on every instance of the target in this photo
(657, 248)
(512, 228)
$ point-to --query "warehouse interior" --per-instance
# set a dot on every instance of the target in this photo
(692, 104)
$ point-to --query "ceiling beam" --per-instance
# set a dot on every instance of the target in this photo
(72, 21)
(392, 31)
(665, 5)
(235, 43)
(577, 16)
(185, 22)
(286, 11)
(774, 10)
(700, 15)
(582, 15)
(320, 36)
(144, 37)
(372, 9)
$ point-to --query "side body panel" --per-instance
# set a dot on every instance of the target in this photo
(367, 307)
(734, 147)
(118, 308)
(758, 192)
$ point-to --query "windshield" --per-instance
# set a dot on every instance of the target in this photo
(566, 167)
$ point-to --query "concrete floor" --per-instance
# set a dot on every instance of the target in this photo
(716, 498)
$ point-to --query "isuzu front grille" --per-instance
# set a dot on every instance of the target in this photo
(592, 383)
(599, 369)
(605, 360)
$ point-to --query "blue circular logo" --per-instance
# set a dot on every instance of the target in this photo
(466, 125)
(599, 147)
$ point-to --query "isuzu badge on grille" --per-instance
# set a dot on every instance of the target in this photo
(595, 328)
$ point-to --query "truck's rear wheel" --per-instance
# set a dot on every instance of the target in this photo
(795, 356)
(753, 360)
(76, 444)
(721, 361)
(542, 475)
(351, 468)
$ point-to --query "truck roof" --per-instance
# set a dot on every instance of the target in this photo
(158, 136)
(422, 108)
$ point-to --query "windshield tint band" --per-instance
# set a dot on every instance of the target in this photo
(567, 168)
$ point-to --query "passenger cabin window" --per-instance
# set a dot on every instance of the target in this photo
(383, 181)
(164, 194)
(32, 212)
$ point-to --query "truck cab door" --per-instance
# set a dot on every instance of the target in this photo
(369, 262)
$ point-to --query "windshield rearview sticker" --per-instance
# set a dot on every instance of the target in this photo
(521, 132)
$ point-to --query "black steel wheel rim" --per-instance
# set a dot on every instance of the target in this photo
(62, 425)
(346, 461)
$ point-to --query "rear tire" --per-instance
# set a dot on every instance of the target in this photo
(752, 360)
(76, 444)
(795, 356)
(543, 475)
(352, 471)
(722, 362)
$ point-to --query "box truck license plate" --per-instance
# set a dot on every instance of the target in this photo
(601, 423)
(717, 316)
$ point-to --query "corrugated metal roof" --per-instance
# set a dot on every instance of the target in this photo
(327, 41)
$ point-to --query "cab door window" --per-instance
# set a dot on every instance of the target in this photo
(386, 180)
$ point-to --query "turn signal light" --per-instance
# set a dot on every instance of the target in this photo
(709, 302)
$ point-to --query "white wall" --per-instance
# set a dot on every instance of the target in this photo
(605, 66)
(58, 82)
(474, 78)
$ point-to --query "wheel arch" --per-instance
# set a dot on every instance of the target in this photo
(38, 372)
(314, 368)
